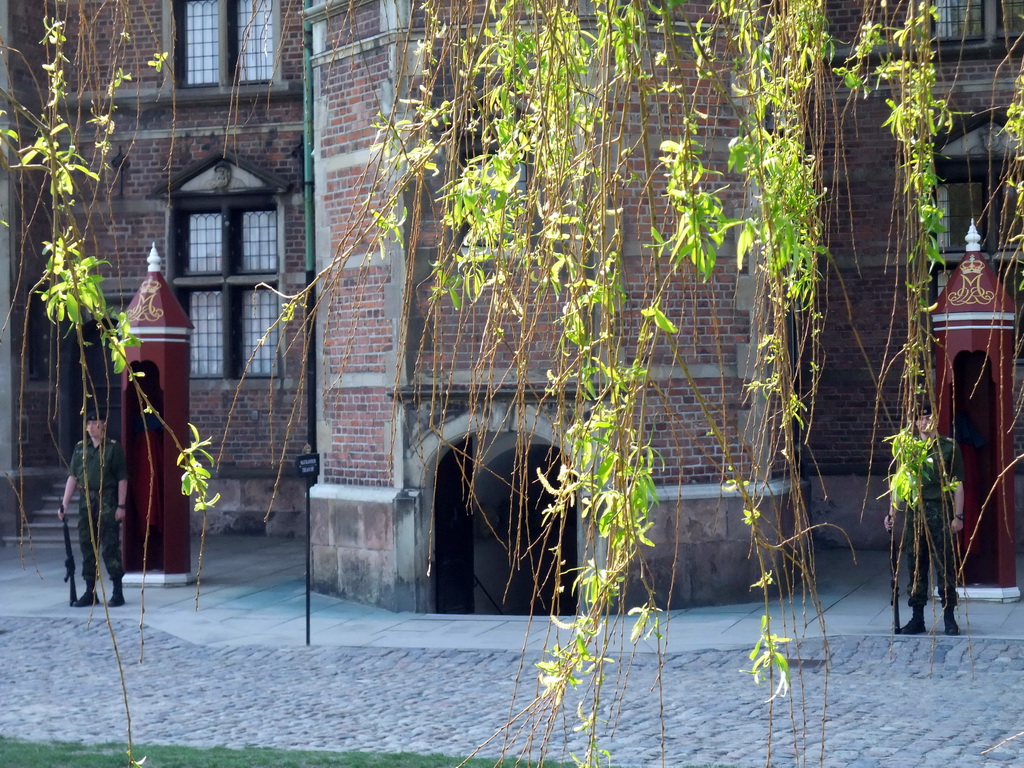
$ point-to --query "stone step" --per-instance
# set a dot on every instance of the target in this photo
(42, 528)
(36, 541)
(45, 531)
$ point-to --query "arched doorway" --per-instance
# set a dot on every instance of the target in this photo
(496, 551)
(453, 530)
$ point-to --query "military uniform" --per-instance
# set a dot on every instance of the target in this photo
(926, 530)
(98, 470)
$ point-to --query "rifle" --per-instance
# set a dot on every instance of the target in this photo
(69, 563)
(894, 565)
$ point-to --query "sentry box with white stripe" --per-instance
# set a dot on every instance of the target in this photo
(155, 414)
(974, 360)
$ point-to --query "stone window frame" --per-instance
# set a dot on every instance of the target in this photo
(471, 148)
(228, 53)
(964, 20)
(981, 155)
(231, 282)
(984, 156)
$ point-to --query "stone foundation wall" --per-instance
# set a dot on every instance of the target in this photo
(362, 548)
(245, 507)
(702, 553)
(849, 510)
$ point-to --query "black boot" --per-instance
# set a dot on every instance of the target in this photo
(88, 597)
(952, 628)
(916, 624)
(116, 598)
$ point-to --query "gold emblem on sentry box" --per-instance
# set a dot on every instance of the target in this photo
(971, 292)
(146, 311)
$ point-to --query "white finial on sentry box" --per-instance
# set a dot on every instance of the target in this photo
(154, 260)
(973, 239)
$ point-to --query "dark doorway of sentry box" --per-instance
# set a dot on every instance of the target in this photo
(90, 380)
(974, 428)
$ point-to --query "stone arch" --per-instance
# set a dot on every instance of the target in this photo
(493, 550)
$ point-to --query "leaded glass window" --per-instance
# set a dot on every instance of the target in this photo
(1013, 17)
(205, 242)
(976, 19)
(229, 261)
(202, 42)
(205, 309)
(222, 42)
(960, 203)
(259, 241)
(259, 334)
(958, 19)
(255, 40)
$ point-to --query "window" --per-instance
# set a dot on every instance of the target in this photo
(489, 195)
(227, 266)
(224, 41)
(991, 206)
(971, 19)
(977, 186)
(961, 203)
(958, 18)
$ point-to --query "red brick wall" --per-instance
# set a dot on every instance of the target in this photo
(457, 350)
(858, 402)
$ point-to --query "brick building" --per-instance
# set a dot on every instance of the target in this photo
(432, 434)
(431, 439)
(204, 160)
(391, 496)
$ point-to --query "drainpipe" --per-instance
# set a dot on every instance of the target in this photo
(310, 224)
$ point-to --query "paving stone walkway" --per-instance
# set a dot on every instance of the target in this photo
(236, 672)
(922, 701)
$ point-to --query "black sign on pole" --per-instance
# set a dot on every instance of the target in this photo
(308, 466)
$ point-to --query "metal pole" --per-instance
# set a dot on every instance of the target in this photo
(309, 558)
(309, 210)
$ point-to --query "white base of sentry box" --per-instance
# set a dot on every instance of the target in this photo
(158, 579)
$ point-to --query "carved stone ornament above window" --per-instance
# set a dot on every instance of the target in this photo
(222, 175)
(987, 139)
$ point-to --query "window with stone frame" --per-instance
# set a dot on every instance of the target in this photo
(977, 185)
(978, 19)
(221, 42)
(227, 270)
(479, 166)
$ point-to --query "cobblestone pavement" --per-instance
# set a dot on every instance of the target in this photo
(922, 701)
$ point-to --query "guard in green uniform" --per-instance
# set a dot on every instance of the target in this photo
(100, 474)
(930, 527)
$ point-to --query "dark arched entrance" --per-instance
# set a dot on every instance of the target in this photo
(496, 552)
(453, 530)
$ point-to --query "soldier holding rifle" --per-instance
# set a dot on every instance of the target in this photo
(99, 472)
(933, 517)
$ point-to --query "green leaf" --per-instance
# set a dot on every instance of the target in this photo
(660, 320)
